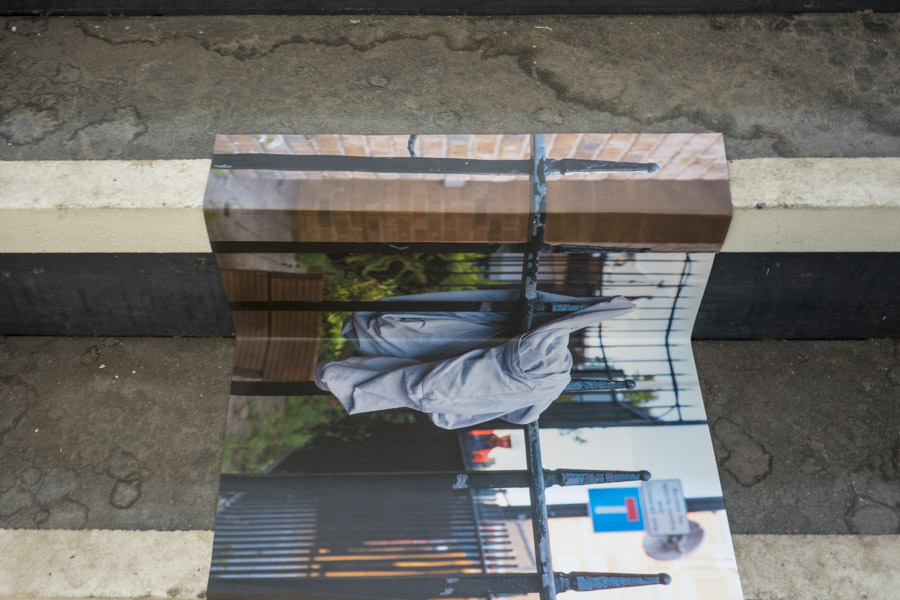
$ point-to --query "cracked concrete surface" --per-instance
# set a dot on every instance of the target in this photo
(806, 433)
(154, 87)
(119, 434)
(127, 433)
(745, 459)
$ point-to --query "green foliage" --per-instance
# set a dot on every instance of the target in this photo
(415, 273)
(300, 421)
(369, 277)
(274, 433)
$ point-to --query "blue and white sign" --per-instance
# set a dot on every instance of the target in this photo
(615, 509)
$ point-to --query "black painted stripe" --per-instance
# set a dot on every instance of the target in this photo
(810, 295)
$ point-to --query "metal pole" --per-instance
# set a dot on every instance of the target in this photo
(540, 522)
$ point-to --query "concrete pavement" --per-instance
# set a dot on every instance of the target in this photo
(126, 433)
(814, 85)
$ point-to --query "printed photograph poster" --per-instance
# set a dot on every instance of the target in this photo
(383, 390)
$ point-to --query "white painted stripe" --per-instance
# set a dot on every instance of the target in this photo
(814, 567)
(104, 563)
(815, 205)
(814, 230)
(103, 230)
(164, 564)
(815, 182)
(103, 206)
(810, 204)
(103, 184)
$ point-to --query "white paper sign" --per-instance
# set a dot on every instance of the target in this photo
(663, 507)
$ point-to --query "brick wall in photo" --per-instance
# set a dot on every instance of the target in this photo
(685, 206)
